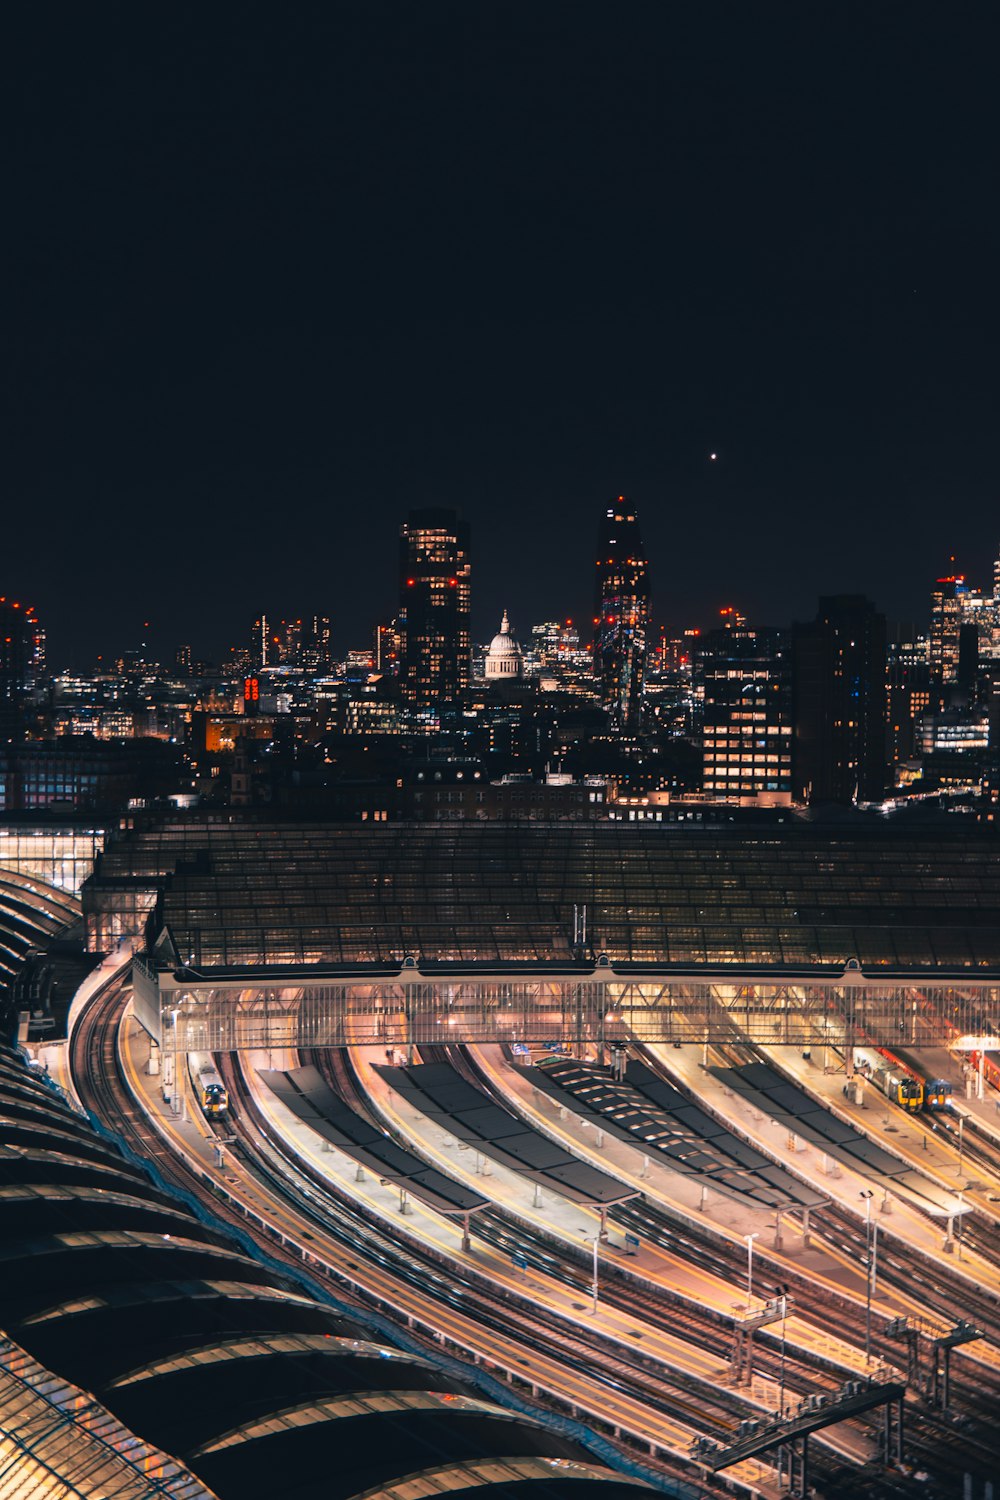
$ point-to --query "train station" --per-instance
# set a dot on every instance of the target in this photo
(258, 932)
(546, 1099)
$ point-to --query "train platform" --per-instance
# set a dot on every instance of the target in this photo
(180, 1122)
(174, 1108)
(951, 1174)
(913, 1137)
(952, 1065)
(841, 1272)
(647, 1261)
(558, 1217)
(910, 1138)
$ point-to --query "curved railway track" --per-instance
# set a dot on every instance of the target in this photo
(955, 1299)
(474, 1293)
(100, 1085)
(704, 1329)
(976, 1390)
(102, 1088)
(933, 1434)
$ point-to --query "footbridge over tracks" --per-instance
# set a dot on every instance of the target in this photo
(254, 1007)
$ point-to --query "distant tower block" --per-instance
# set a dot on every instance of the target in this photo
(435, 585)
(621, 613)
(946, 624)
(22, 663)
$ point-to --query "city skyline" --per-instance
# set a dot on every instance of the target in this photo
(500, 610)
(69, 638)
(278, 288)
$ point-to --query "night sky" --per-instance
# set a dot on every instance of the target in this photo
(277, 274)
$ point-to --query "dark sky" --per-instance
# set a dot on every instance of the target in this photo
(275, 275)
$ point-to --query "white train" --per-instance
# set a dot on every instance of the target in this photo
(212, 1093)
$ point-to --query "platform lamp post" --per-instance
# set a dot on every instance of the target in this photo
(750, 1239)
(867, 1195)
(782, 1292)
(595, 1241)
(175, 1088)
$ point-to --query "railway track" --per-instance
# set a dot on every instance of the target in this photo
(976, 1391)
(102, 1088)
(933, 1434)
(671, 1314)
(99, 1082)
(474, 1291)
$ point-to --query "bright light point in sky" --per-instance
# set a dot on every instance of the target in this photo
(713, 457)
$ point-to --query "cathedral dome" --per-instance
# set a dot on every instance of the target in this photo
(504, 658)
(504, 644)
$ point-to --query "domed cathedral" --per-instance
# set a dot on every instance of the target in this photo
(504, 659)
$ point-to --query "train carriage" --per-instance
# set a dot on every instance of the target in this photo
(213, 1096)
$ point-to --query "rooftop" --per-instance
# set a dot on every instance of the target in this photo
(253, 890)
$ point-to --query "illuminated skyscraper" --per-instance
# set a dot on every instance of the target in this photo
(946, 622)
(908, 697)
(22, 663)
(387, 652)
(747, 739)
(621, 613)
(435, 593)
(315, 652)
(261, 644)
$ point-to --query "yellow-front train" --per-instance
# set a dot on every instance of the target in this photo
(213, 1095)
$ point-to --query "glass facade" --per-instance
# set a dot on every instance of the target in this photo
(57, 1440)
(435, 601)
(255, 890)
(621, 613)
(747, 736)
(60, 857)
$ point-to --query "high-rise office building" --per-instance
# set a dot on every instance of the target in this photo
(946, 621)
(435, 599)
(621, 613)
(555, 645)
(289, 635)
(262, 646)
(908, 688)
(839, 702)
(387, 648)
(315, 651)
(22, 663)
(747, 735)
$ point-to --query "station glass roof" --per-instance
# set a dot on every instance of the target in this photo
(251, 891)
